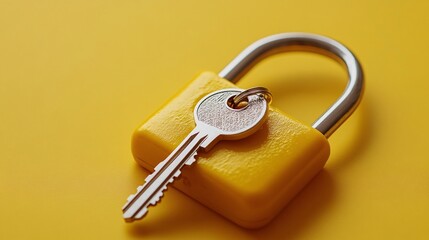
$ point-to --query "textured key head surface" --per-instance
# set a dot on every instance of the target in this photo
(214, 111)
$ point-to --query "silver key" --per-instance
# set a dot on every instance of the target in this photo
(215, 120)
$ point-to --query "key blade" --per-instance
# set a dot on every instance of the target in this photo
(165, 172)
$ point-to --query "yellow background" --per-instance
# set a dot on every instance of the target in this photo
(76, 78)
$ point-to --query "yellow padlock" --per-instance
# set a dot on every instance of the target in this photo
(249, 181)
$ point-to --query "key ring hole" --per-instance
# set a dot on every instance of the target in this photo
(237, 106)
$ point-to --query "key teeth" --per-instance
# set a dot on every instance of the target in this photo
(157, 198)
(159, 166)
(130, 197)
(150, 176)
(192, 159)
(176, 174)
(131, 212)
(190, 162)
(159, 195)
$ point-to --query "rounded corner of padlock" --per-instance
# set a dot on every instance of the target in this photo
(145, 150)
(321, 139)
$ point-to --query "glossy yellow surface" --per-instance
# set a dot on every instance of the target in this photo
(249, 180)
(76, 78)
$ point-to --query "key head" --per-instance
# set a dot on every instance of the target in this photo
(214, 113)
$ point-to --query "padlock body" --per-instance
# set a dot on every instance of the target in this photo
(249, 181)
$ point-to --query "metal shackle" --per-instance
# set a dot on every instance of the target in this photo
(289, 42)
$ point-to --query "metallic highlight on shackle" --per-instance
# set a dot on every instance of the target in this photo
(288, 42)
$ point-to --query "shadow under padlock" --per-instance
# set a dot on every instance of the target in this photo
(300, 149)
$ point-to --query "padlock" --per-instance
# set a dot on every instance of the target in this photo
(251, 180)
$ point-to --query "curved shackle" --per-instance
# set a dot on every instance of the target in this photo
(288, 42)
